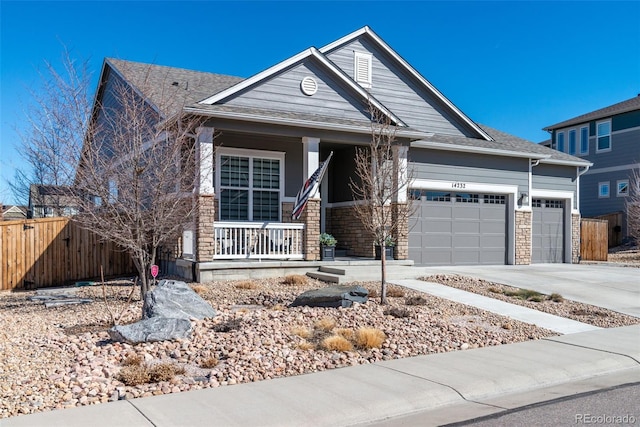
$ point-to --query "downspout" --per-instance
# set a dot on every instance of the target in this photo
(579, 173)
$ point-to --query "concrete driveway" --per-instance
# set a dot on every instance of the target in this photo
(612, 287)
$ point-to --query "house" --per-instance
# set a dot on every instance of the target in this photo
(13, 212)
(481, 196)
(46, 201)
(610, 139)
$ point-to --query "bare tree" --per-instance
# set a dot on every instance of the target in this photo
(381, 188)
(137, 172)
(56, 120)
(633, 206)
(129, 163)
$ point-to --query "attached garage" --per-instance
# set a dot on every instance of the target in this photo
(547, 237)
(458, 228)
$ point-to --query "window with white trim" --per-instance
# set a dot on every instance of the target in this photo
(603, 132)
(584, 140)
(572, 142)
(560, 141)
(622, 188)
(603, 189)
(362, 68)
(250, 185)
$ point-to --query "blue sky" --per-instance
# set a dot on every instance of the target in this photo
(514, 65)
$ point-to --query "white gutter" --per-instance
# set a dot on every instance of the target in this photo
(477, 150)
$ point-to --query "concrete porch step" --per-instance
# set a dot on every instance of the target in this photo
(325, 277)
(352, 273)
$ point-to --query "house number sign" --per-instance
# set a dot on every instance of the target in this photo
(458, 185)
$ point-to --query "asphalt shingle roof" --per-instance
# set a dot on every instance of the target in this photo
(619, 108)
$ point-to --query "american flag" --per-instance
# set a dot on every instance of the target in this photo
(309, 188)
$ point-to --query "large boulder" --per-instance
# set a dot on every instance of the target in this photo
(153, 329)
(168, 311)
(175, 299)
(332, 296)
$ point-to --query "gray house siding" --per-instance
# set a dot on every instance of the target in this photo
(465, 167)
(395, 89)
(282, 92)
(591, 204)
(554, 177)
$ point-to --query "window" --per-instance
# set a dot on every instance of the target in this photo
(438, 196)
(584, 140)
(250, 187)
(362, 68)
(572, 142)
(604, 136)
(623, 188)
(560, 141)
(603, 189)
(467, 198)
(492, 199)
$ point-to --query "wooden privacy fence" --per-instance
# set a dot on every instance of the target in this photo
(594, 239)
(54, 251)
(615, 227)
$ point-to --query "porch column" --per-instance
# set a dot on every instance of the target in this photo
(311, 216)
(204, 194)
(399, 204)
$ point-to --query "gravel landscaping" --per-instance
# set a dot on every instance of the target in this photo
(62, 357)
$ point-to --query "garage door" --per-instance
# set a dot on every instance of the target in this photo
(548, 231)
(457, 228)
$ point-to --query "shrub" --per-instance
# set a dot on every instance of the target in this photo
(301, 332)
(369, 338)
(295, 280)
(246, 284)
(556, 297)
(416, 300)
(494, 290)
(199, 289)
(336, 343)
(345, 333)
(525, 294)
(327, 239)
(228, 326)
(373, 293)
(164, 372)
(306, 345)
(507, 326)
(132, 360)
(134, 375)
(395, 292)
(209, 362)
(325, 324)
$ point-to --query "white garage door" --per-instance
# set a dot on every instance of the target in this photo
(458, 228)
(548, 231)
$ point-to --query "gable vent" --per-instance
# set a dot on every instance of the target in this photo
(309, 86)
(362, 68)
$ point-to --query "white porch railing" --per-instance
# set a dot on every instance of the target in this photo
(258, 240)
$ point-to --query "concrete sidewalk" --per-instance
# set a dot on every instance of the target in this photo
(366, 394)
(517, 312)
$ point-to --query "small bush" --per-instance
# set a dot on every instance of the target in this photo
(395, 292)
(373, 293)
(228, 326)
(369, 338)
(525, 294)
(397, 312)
(345, 333)
(507, 326)
(134, 375)
(295, 280)
(325, 324)
(301, 332)
(306, 345)
(278, 307)
(556, 297)
(209, 363)
(246, 284)
(336, 343)
(494, 290)
(164, 372)
(199, 289)
(536, 298)
(416, 300)
(132, 360)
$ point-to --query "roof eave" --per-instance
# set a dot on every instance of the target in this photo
(478, 150)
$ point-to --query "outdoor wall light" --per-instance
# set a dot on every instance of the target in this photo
(524, 198)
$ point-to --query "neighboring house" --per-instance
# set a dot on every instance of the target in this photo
(481, 196)
(12, 212)
(610, 139)
(46, 201)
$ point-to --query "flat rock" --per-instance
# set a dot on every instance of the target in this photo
(175, 299)
(149, 330)
(332, 296)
